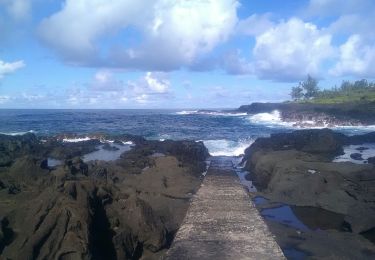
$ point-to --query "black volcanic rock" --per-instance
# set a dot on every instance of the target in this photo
(322, 114)
(371, 160)
(94, 210)
(356, 156)
(297, 169)
(15, 146)
(318, 141)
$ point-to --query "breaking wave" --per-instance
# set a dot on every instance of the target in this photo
(224, 147)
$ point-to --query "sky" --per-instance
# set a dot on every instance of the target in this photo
(178, 53)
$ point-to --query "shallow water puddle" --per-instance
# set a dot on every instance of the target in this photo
(303, 218)
(107, 154)
(293, 253)
(284, 215)
(51, 162)
(259, 200)
(365, 150)
(241, 173)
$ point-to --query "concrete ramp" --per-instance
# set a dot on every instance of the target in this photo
(222, 222)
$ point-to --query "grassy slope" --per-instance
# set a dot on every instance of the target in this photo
(354, 96)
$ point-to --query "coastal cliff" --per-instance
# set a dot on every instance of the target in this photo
(311, 114)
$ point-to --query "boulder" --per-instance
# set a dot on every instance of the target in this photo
(356, 156)
(371, 160)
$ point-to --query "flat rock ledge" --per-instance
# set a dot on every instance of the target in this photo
(222, 222)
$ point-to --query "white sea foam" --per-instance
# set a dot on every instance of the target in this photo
(103, 141)
(365, 128)
(212, 113)
(350, 149)
(187, 112)
(217, 113)
(76, 139)
(224, 147)
(16, 133)
(273, 118)
(128, 142)
(105, 155)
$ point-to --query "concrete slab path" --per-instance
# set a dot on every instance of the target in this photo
(222, 222)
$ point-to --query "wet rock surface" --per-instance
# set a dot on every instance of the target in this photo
(296, 169)
(129, 208)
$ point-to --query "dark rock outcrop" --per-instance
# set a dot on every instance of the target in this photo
(322, 114)
(97, 209)
(356, 156)
(297, 169)
(371, 160)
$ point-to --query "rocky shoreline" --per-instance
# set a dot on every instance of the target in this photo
(56, 204)
(317, 115)
(127, 208)
(336, 200)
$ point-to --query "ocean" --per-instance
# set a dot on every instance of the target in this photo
(224, 134)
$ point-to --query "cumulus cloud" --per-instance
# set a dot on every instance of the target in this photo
(354, 23)
(105, 88)
(172, 33)
(152, 87)
(290, 50)
(357, 58)
(157, 82)
(10, 67)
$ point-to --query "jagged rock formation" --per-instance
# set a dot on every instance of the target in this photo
(125, 209)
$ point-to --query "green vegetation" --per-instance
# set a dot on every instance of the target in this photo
(308, 92)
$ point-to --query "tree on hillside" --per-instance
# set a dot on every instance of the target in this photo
(311, 87)
(297, 93)
(306, 89)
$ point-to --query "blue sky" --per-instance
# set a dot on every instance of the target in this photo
(177, 53)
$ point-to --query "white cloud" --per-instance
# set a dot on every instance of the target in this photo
(173, 33)
(152, 87)
(291, 50)
(354, 22)
(105, 81)
(157, 82)
(234, 63)
(32, 97)
(17, 9)
(10, 67)
(254, 24)
(4, 99)
(357, 58)
(106, 90)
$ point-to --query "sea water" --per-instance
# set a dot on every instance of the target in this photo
(224, 134)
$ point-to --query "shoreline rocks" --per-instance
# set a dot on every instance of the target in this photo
(319, 115)
(123, 209)
(297, 169)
